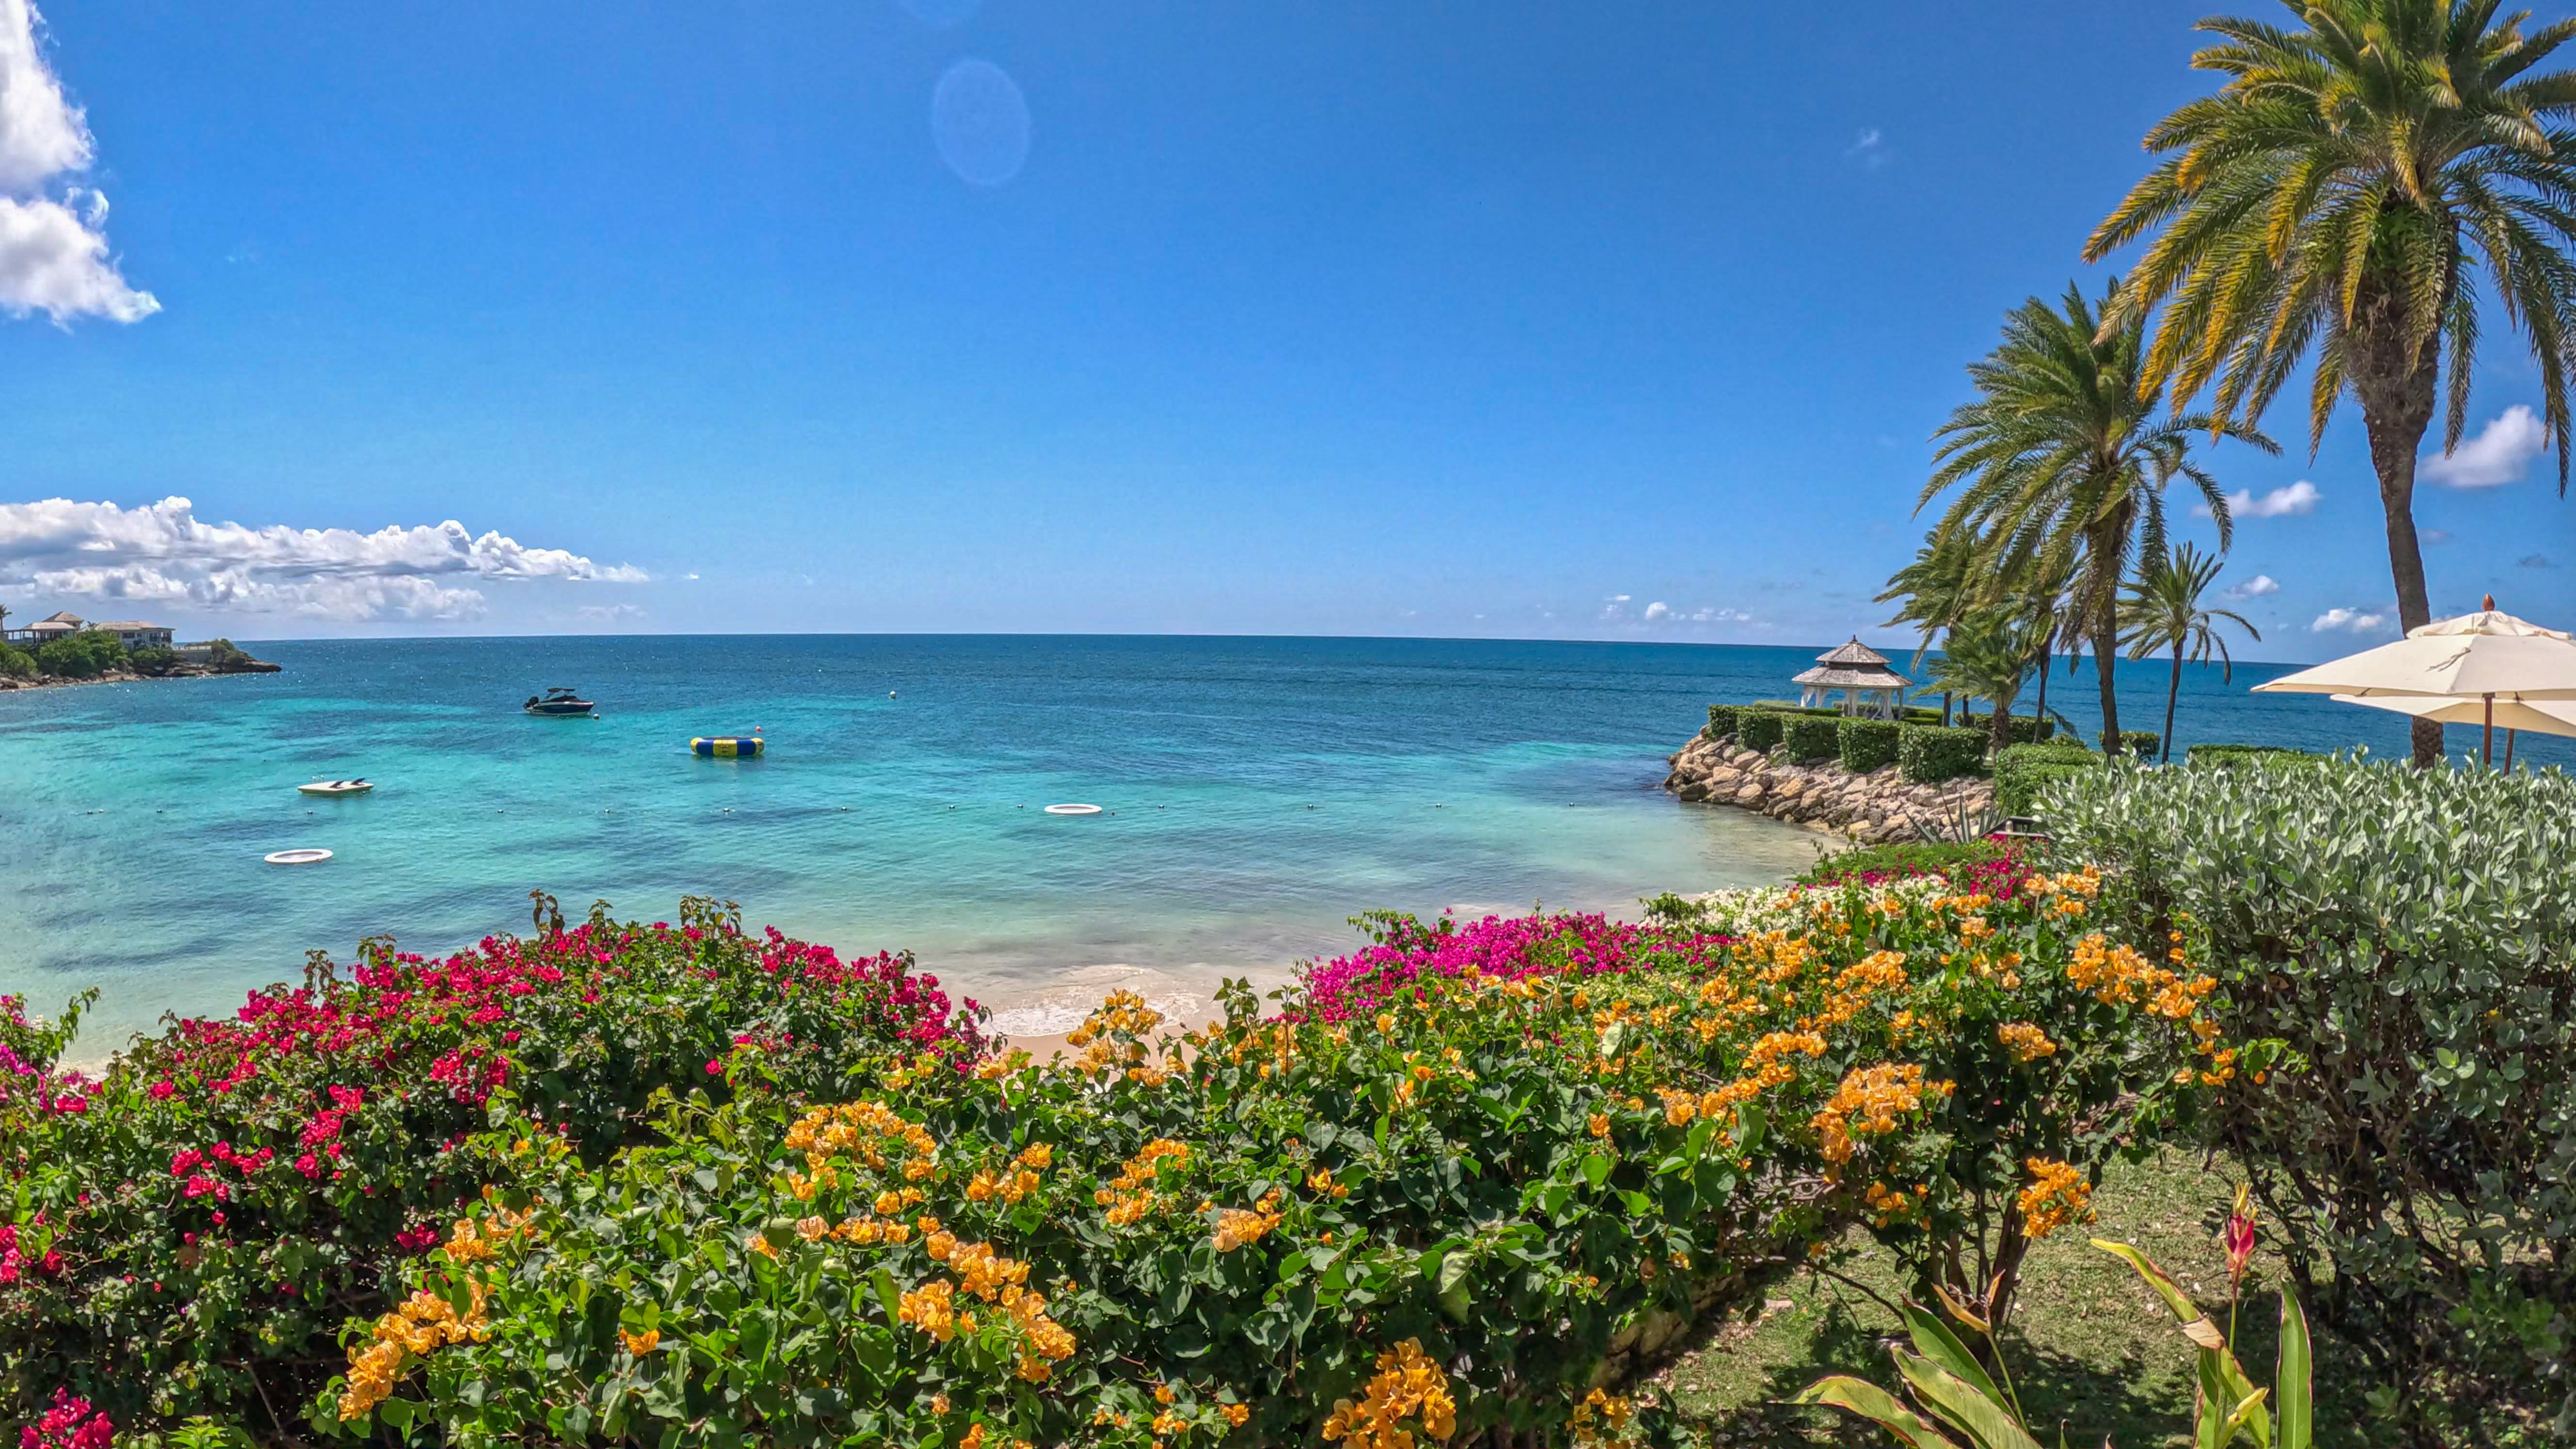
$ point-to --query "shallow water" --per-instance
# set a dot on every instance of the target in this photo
(1256, 792)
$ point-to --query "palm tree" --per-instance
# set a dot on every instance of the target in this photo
(2164, 612)
(1934, 591)
(1988, 656)
(2338, 194)
(2062, 464)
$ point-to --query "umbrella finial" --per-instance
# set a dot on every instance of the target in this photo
(2489, 604)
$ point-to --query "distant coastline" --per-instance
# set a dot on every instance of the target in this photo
(128, 676)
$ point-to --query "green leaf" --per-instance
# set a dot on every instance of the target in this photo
(2195, 1324)
(1934, 1340)
(1596, 1169)
(1878, 1406)
(1987, 1424)
(2236, 1422)
(2295, 1414)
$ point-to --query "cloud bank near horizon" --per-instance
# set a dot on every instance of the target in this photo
(53, 249)
(163, 553)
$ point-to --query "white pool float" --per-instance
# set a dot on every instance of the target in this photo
(1073, 810)
(297, 857)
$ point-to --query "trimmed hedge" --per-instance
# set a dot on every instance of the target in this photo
(1758, 729)
(1810, 738)
(1784, 706)
(2137, 744)
(1721, 721)
(2018, 729)
(2021, 770)
(1929, 753)
(2232, 754)
(1867, 744)
(2411, 937)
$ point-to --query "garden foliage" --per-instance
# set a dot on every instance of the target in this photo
(16, 663)
(1470, 1176)
(1811, 738)
(1929, 753)
(2231, 754)
(1759, 729)
(2412, 936)
(1978, 867)
(188, 1234)
(1867, 744)
(2018, 729)
(1721, 721)
(2137, 744)
(2021, 771)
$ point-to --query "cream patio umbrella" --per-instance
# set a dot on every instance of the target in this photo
(2541, 717)
(2477, 659)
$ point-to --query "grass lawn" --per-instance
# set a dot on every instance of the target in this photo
(2089, 1347)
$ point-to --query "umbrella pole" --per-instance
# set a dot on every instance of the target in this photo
(2508, 752)
(2486, 752)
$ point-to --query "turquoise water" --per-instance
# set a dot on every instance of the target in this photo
(1257, 792)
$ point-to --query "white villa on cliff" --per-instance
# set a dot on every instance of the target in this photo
(134, 634)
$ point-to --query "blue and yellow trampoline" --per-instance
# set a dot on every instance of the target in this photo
(726, 747)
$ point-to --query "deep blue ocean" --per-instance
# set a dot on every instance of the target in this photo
(1256, 793)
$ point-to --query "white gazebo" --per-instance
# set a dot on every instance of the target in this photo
(1861, 676)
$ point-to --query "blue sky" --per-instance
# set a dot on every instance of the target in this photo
(1337, 318)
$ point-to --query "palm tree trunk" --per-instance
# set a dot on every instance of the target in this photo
(2039, 712)
(2397, 396)
(2106, 559)
(1999, 727)
(2172, 691)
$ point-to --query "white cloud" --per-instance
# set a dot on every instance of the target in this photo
(41, 133)
(2297, 499)
(163, 553)
(2499, 454)
(1658, 610)
(2355, 621)
(53, 255)
(610, 613)
(1868, 148)
(2255, 587)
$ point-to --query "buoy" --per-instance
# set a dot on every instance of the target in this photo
(296, 857)
(1073, 810)
(889, 694)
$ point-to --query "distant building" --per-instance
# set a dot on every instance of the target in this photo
(134, 634)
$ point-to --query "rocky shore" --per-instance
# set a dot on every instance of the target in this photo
(1874, 808)
(128, 676)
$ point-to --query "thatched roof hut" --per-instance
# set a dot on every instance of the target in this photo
(1861, 675)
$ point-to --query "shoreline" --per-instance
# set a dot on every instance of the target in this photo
(128, 676)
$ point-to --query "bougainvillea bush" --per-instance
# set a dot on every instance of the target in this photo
(1475, 1176)
(187, 1233)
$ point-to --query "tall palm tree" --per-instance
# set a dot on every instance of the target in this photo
(2062, 463)
(2164, 612)
(2338, 195)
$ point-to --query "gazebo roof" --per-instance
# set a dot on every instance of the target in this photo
(1825, 676)
(1854, 652)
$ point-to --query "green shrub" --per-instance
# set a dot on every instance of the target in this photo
(1721, 721)
(85, 654)
(1786, 706)
(1810, 738)
(2136, 744)
(2020, 771)
(16, 663)
(1759, 729)
(1928, 753)
(2231, 754)
(1867, 744)
(1968, 863)
(2018, 729)
(1515, 1159)
(232, 1191)
(2411, 935)
(153, 659)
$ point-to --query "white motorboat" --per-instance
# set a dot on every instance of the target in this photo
(338, 787)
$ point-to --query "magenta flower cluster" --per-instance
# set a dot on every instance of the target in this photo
(1504, 947)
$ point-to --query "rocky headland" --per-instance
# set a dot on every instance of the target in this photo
(1874, 808)
(128, 676)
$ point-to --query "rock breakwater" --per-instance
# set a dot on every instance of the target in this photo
(1874, 808)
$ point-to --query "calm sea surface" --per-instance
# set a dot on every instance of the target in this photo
(1257, 792)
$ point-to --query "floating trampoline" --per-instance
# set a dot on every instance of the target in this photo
(1073, 810)
(296, 857)
(727, 747)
